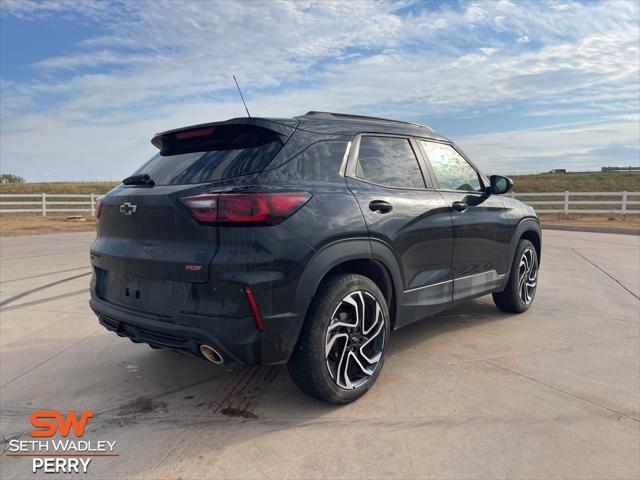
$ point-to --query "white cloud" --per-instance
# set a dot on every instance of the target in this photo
(162, 64)
(94, 9)
(475, 13)
(557, 146)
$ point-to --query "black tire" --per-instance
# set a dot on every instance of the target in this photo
(309, 366)
(513, 298)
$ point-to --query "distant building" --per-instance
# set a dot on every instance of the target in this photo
(621, 169)
(558, 170)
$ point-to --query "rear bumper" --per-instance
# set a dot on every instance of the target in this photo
(144, 289)
(237, 339)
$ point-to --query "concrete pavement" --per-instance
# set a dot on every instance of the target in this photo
(472, 393)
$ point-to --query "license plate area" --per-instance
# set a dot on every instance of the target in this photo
(164, 298)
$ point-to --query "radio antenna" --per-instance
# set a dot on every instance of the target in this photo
(240, 92)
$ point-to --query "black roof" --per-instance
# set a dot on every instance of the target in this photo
(346, 124)
(324, 123)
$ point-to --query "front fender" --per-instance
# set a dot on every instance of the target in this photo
(525, 225)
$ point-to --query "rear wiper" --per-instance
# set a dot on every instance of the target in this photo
(142, 179)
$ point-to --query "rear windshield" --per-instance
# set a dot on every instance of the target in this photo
(224, 151)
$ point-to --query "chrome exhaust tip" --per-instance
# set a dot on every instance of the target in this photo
(211, 354)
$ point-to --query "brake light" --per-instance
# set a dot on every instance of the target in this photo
(200, 132)
(259, 208)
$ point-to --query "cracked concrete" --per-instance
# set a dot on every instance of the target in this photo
(472, 393)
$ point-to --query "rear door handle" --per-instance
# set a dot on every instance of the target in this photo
(459, 206)
(380, 206)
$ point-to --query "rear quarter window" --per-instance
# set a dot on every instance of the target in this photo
(320, 162)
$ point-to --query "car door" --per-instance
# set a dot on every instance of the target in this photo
(480, 223)
(404, 217)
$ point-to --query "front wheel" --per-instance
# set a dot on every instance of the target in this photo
(343, 342)
(521, 288)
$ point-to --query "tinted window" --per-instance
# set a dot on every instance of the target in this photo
(388, 161)
(229, 151)
(320, 162)
(452, 171)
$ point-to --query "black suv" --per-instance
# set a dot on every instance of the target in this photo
(305, 241)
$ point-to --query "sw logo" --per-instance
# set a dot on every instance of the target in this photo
(47, 427)
(60, 455)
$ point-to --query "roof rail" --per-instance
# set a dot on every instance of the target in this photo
(346, 116)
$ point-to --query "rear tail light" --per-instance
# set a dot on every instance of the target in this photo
(203, 207)
(268, 208)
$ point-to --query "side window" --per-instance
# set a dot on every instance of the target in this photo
(452, 171)
(319, 162)
(388, 161)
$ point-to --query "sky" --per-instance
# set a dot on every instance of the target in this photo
(520, 86)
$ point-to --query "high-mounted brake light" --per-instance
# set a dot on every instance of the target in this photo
(259, 208)
(199, 132)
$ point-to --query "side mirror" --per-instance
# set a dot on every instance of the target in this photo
(500, 185)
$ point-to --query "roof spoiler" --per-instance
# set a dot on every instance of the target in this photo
(283, 127)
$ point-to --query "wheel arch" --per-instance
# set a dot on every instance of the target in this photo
(533, 237)
(528, 229)
(353, 256)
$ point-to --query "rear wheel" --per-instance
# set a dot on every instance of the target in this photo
(520, 291)
(343, 342)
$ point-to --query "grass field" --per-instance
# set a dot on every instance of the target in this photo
(13, 224)
(578, 182)
(59, 187)
(547, 182)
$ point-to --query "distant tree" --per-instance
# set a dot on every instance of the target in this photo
(10, 178)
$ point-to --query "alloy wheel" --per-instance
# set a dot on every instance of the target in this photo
(527, 276)
(355, 340)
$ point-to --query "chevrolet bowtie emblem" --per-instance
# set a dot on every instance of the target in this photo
(128, 208)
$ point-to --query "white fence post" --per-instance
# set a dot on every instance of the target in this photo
(623, 210)
(566, 203)
(93, 205)
(44, 204)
